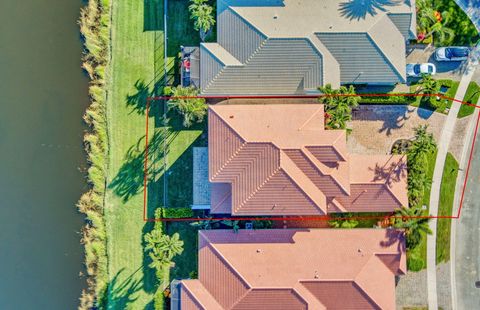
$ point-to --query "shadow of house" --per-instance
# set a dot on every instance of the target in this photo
(359, 9)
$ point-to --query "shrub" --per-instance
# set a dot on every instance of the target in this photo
(415, 264)
(177, 212)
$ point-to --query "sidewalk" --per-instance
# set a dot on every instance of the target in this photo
(443, 146)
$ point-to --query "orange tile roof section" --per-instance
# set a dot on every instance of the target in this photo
(277, 159)
(296, 269)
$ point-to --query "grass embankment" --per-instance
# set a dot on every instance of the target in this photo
(94, 26)
(137, 71)
(417, 257)
(471, 97)
(447, 192)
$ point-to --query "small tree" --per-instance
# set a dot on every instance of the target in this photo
(338, 105)
(185, 101)
(202, 15)
(414, 225)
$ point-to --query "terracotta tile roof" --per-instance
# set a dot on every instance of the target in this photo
(297, 269)
(277, 159)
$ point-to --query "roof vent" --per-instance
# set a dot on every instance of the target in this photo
(316, 275)
(231, 116)
(275, 16)
(259, 251)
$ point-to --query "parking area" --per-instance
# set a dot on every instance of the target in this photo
(445, 70)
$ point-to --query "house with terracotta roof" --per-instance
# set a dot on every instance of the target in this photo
(293, 46)
(278, 159)
(294, 269)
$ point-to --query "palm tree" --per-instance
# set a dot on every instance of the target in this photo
(159, 260)
(186, 102)
(414, 225)
(442, 34)
(338, 104)
(202, 15)
(422, 145)
(152, 239)
(170, 246)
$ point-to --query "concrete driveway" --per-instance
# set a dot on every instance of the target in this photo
(445, 70)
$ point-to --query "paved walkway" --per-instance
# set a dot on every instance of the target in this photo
(443, 145)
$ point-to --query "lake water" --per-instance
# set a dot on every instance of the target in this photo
(43, 94)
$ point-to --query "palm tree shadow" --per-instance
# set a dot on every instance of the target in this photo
(138, 100)
(122, 292)
(129, 180)
(358, 9)
(390, 173)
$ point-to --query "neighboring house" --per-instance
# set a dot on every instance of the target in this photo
(293, 46)
(295, 269)
(277, 159)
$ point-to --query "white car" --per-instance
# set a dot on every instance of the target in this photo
(417, 70)
(452, 53)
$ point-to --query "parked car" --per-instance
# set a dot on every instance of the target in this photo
(417, 70)
(452, 53)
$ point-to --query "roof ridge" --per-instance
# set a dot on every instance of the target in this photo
(318, 165)
(307, 180)
(214, 78)
(320, 109)
(255, 191)
(230, 158)
(360, 272)
(377, 47)
(256, 51)
(244, 142)
(227, 264)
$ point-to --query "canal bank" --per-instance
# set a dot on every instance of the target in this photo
(43, 97)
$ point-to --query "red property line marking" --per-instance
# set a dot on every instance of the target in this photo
(297, 218)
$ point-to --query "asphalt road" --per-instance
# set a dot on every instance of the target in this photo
(467, 245)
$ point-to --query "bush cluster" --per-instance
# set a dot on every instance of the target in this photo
(177, 212)
(366, 99)
(94, 25)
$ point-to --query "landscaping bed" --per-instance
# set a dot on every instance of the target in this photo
(447, 193)
(471, 97)
(417, 257)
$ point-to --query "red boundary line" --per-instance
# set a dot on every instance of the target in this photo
(296, 218)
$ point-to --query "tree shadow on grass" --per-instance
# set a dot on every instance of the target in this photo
(129, 180)
(122, 292)
(138, 100)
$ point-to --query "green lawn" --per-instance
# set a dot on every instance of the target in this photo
(136, 69)
(471, 96)
(417, 257)
(447, 191)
